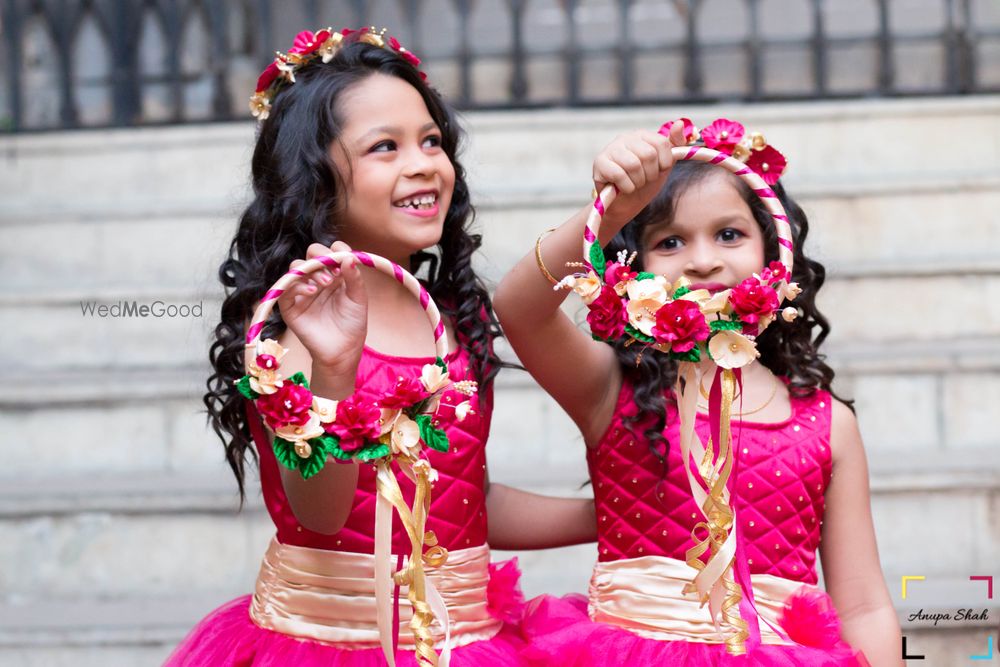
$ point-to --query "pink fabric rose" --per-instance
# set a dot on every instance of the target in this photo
(753, 301)
(810, 618)
(406, 392)
(722, 135)
(607, 316)
(504, 599)
(680, 324)
(690, 131)
(356, 423)
(288, 405)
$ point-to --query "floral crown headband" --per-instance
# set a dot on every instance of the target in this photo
(310, 47)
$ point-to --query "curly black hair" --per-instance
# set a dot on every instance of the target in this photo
(297, 198)
(788, 349)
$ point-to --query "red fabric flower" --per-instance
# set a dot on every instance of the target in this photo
(752, 301)
(690, 131)
(267, 77)
(810, 618)
(307, 42)
(289, 405)
(394, 43)
(680, 324)
(769, 163)
(616, 273)
(723, 134)
(607, 316)
(407, 392)
(356, 423)
(266, 362)
(504, 599)
(775, 271)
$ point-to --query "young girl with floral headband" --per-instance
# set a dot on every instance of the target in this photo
(720, 457)
(356, 150)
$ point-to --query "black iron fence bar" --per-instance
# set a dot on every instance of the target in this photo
(120, 23)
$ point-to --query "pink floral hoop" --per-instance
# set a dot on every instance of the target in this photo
(667, 316)
(309, 428)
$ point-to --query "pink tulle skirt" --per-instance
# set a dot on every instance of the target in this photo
(559, 632)
(229, 638)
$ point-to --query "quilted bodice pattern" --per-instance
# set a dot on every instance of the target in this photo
(644, 507)
(458, 504)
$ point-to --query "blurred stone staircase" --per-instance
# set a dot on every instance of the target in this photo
(118, 523)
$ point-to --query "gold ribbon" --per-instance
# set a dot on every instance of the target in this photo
(714, 582)
(412, 575)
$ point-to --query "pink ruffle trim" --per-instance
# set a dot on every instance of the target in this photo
(559, 632)
(228, 638)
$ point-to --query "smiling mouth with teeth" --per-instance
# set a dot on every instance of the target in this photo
(420, 202)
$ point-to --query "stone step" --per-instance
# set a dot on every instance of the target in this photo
(180, 255)
(108, 173)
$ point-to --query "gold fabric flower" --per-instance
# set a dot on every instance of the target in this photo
(730, 349)
(405, 437)
(434, 378)
(588, 287)
(298, 432)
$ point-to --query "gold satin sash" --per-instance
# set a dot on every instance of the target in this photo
(329, 597)
(646, 597)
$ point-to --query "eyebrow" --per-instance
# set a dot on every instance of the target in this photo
(392, 130)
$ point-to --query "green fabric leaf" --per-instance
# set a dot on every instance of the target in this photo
(299, 379)
(694, 354)
(680, 291)
(333, 445)
(284, 451)
(597, 259)
(312, 465)
(243, 385)
(645, 275)
(432, 436)
(440, 362)
(638, 335)
(722, 325)
(371, 452)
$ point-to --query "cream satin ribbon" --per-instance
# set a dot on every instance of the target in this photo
(330, 597)
(714, 582)
(424, 599)
(647, 597)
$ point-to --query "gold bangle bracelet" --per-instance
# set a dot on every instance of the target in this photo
(538, 257)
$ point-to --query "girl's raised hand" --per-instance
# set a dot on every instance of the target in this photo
(328, 311)
(637, 163)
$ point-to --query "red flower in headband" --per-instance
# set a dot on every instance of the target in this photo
(267, 77)
(307, 42)
(723, 134)
(768, 162)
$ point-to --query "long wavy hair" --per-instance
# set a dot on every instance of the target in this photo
(298, 196)
(788, 349)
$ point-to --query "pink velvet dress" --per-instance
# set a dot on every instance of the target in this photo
(314, 604)
(636, 612)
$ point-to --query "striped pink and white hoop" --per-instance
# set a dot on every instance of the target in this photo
(702, 154)
(333, 260)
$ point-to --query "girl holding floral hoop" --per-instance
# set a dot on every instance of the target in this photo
(707, 534)
(356, 151)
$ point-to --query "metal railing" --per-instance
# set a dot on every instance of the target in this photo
(93, 63)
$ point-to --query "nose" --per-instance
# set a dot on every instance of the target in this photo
(703, 259)
(418, 163)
